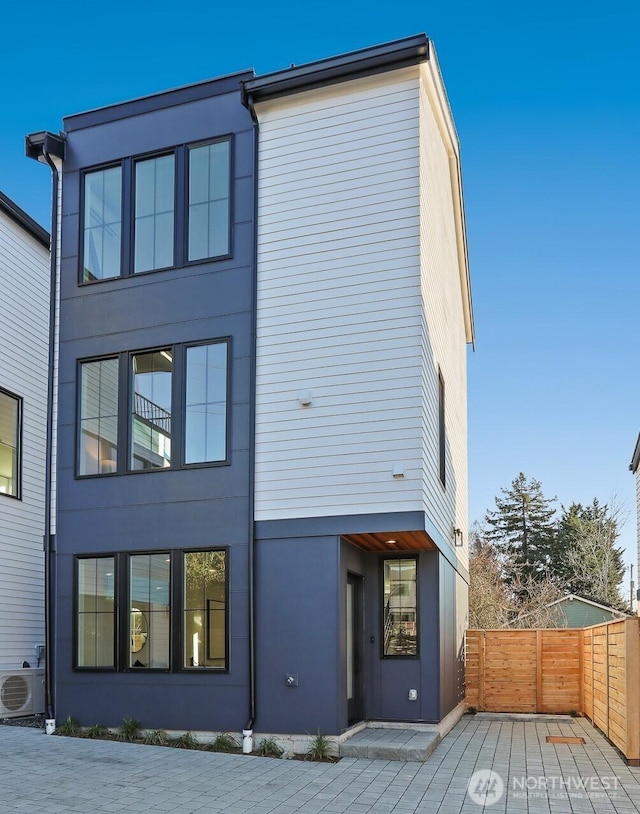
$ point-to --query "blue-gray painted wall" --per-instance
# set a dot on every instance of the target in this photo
(158, 510)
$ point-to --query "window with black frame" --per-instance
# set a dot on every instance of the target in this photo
(96, 612)
(400, 608)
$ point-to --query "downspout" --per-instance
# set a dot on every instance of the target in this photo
(49, 541)
(40, 147)
(247, 732)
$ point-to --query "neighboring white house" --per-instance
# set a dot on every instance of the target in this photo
(634, 466)
(24, 320)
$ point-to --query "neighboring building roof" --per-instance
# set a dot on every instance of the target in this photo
(578, 611)
(18, 215)
(635, 460)
(575, 597)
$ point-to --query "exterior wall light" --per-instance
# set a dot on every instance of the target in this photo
(458, 539)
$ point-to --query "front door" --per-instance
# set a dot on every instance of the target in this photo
(355, 641)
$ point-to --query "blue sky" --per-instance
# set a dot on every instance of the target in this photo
(546, 99)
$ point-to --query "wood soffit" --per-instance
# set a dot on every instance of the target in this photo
(404, 541)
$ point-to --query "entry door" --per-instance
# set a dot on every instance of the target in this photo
(355, 651)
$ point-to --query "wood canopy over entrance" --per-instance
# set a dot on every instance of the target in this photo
(404, 541)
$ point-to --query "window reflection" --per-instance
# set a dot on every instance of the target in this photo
(151, 410)
(400, 632)
(205, 634)
(206, 404)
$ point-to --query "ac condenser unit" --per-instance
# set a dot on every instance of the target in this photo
(21, 692)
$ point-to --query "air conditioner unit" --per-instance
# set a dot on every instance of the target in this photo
(21, 692)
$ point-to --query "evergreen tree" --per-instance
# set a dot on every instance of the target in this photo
(585, 555)
(522, 527)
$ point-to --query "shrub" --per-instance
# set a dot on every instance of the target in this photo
(157, 737)
(268, 747)
(225, 743)
(129, 730)
(319, 749)
(186, 741)
(69, 727)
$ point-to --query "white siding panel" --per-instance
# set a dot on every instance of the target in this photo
(24, 304)
(444, 345)
(339, 309)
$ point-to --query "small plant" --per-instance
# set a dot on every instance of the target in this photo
(69, 727)
(268, 747)
(95, 731)
(471, 710)
(157, 737)
(186, 741)
(129, 730)
(574, 713)
(225, 743)
(319, 749)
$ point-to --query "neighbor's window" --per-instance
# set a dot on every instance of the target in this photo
(209, 184)
(10, 416)
(400, 611)
(205, 609)
(148, 613)
(151, 410)
(95, 645)
(102, 224)
(206, 403)
(98, 417)
(154, 213)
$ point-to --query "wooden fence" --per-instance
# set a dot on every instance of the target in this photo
(594, 671)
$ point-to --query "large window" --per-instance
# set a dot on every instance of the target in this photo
(151, 410)
(96, 612)
(98, 417)
(209, 200)
(126, 620)
(175, 412)
(155, 208)
(102, 224)
(206, 403)
(400, 608)
(147, 214)
(442, 438)
(10, 418)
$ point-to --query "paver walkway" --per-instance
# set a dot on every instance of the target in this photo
(73, 776)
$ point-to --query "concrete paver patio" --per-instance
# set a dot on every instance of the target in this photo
(69, 775)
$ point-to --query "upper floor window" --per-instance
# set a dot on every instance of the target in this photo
(209, 200)
(154, 213)
(102, 224)
(180, 205)
(170, 410)
(10, 420)
(442, 437)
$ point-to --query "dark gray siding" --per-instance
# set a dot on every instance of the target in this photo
(160, 510)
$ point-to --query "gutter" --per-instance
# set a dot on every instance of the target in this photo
(41, 147)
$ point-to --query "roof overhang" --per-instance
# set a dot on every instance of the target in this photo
(42, 143)
(353, 65)
(20, 217)
(390, 541)
(635, 459)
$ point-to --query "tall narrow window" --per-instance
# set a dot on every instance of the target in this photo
(151, 410)
(205, 609)
(209, 184)
(154, 213)
(95, 644)
(442, 444)
(149, 610)
(98, 452)
(102, 224)
(10, 408)
(400, 611)
(206, 403)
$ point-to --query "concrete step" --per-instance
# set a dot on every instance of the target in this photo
(391, 744)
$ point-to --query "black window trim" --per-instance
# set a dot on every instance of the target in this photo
(122, 571)
(181, 209)
(410, 555)
(442, 434)
(20, 403)
(178, 414)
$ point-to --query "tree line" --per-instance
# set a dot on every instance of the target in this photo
(526, 555)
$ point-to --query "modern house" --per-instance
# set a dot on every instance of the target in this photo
(259, 485)
(24, 329)
(634, 466)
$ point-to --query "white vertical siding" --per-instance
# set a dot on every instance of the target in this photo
(24, 303)
(444, 338)
(359, 302)
(339, 300)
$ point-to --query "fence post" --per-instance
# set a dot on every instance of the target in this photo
(632, 680)
(539, 671)
(481, 671)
